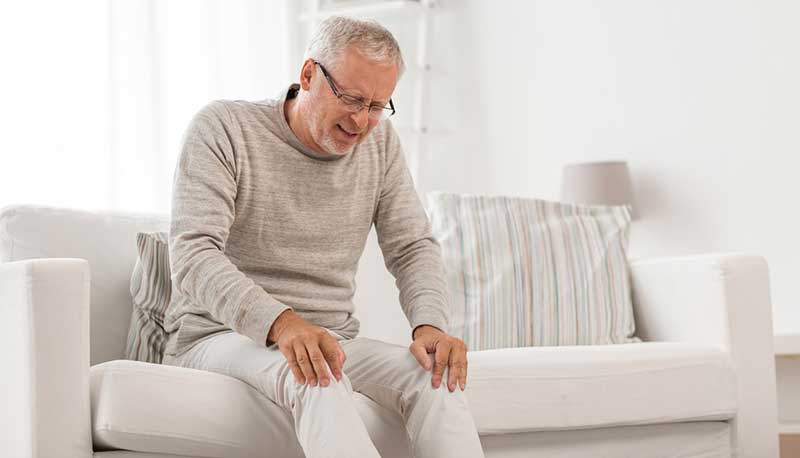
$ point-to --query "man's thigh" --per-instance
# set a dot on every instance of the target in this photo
(383, 371)
(237, 356)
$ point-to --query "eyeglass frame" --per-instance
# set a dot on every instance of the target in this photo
(355, 100)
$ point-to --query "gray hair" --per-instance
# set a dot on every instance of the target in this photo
(336, 33)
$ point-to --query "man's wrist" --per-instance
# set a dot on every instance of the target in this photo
(414, 332)
(278, 326)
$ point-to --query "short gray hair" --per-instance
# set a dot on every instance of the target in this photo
(336, 33)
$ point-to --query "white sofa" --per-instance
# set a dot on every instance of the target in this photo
(701, 385)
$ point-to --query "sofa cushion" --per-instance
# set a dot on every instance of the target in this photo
(151, 290)
(576, 387)
(527, 272)
(106, 239)
(156, 408)
(169, 409)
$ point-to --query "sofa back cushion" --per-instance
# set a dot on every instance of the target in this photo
(151, 291)
(527, 272)
(106, 239)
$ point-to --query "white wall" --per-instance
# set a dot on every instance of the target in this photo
(701, 97)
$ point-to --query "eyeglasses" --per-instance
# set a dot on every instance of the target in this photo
(354, 104)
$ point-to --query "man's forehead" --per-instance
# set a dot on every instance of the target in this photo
(361, 76)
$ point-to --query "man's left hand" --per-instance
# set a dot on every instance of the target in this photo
(448, 351)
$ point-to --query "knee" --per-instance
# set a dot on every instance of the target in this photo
(293, 392)
(341, 387)
(426, 386)
(420, 396)
(287, 390)
(422, 388)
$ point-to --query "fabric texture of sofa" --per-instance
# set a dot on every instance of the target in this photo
(700, 385)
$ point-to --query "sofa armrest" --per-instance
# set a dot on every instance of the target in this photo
(721, 300)
(44, 355)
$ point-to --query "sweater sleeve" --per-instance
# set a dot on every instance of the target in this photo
(203, 210)
(410, 252)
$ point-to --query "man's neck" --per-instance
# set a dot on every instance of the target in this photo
(291, 110)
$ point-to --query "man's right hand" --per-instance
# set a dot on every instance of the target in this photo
(307, 347)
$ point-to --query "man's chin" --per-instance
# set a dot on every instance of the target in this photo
(343, 153)
(338, 149)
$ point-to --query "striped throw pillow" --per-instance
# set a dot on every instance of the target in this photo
(151, 289)
(527, 272)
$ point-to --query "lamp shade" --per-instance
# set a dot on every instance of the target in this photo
(598, 183)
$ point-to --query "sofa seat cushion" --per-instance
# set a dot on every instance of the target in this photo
(576, 387)
(168, 409)
(154, 408)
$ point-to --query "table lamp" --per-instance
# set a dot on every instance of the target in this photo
(598, 183)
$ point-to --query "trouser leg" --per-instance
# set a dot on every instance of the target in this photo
(438, 422)
(325, 418)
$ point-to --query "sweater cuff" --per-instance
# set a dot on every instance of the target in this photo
(430, 316)
(257, 319)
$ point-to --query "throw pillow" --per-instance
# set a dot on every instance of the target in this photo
(527, 272)
(151, 289)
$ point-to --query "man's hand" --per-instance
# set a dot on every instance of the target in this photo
(307, 348)
(448, 351)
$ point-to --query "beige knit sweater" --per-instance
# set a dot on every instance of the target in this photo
(260, 223)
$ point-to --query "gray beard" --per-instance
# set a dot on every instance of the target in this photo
(327, 142)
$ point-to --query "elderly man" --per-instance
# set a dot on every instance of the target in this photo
(272, 205)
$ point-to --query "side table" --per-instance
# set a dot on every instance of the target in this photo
(787, 369)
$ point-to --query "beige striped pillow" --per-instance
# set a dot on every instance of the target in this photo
(151, 289)
(527, 272)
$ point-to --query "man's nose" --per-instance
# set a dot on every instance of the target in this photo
(361, 118)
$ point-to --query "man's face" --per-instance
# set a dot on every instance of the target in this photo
(333, 128)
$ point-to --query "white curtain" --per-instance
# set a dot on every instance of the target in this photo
(96, 95)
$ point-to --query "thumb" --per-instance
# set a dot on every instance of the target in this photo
(419, 352)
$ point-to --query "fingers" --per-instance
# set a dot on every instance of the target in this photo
(312, 354)
(301, 355)
(440, 359)
(318, 363)
(457, 374)
(291, 360)
(452, 371)
(421, 355)
(462, 379)
(334, 355)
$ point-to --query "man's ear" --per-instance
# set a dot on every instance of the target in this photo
(307, 73)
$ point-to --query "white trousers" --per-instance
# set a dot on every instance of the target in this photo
(438, 422)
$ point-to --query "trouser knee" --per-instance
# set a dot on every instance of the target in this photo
(335, 386)
(337, 389)
(422, 393)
